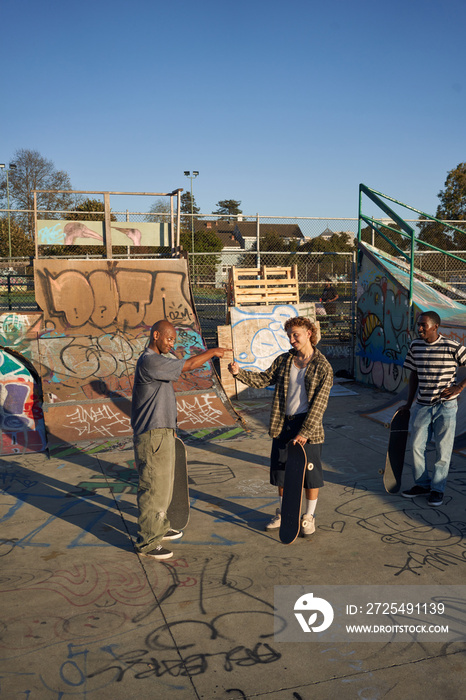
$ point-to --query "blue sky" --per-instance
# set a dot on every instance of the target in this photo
(286, 106)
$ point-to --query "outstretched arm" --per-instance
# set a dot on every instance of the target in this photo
(259, 380)
(196, 361)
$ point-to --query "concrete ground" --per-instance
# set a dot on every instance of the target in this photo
(83, 616)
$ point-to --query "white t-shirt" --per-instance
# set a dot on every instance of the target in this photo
(296, 398)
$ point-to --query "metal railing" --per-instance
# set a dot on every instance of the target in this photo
(408, 247)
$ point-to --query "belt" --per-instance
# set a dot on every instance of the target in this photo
(296, 415)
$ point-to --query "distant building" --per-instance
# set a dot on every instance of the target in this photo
(246, 231)
(238, 236)
(328, 233)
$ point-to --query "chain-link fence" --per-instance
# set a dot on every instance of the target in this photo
(317, 271)
(323, 250)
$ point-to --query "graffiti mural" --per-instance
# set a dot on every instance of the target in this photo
(384, 329)
(127, 233)
(80, 296)
(94, 323)
(382, 332)
(259, 337)
(21, 420)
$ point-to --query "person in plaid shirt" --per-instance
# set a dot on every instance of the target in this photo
(303, 378)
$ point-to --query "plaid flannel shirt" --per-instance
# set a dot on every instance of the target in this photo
(318, 381)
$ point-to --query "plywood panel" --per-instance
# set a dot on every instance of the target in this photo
(259, 336)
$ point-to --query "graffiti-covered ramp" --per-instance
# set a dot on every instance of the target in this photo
(384, 330)
(94, 323)
(384, 335)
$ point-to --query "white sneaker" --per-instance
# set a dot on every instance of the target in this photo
(274, 524)
(308, 525)
(172, 535)
(158, 552)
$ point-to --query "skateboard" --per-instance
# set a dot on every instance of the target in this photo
(296, 465)
(396, 451)
(178, 510)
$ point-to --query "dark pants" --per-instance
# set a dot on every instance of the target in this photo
(313, 478)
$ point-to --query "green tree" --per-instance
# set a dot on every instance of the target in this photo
(228, 208)
(453, 197)
(380, 242)
(21, 245)
(205, 241)
(434, 233)
(452, 207)
(271, 241)
(202, 268)
(188, 206)
(89, 210)
(34, 172)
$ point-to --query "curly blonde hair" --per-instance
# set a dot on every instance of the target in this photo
(302, 322)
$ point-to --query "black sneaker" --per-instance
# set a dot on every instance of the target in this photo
(435, 499)
(416, 491)
(157, 553)
(173, 535)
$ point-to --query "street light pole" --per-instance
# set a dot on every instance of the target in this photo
(7, 171)
(192, 177)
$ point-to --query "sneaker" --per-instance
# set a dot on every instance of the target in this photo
(157, 553)
(435, 499)
(416, 491)
(308, 525)
(274, 524)
(172, 535)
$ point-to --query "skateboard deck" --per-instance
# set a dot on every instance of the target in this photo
(396, 451)
(178, 510)
(295, 470)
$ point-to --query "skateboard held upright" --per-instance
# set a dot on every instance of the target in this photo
(178, 510)
(295, 470)
(396, 451)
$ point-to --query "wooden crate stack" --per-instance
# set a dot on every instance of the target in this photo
(266, 285)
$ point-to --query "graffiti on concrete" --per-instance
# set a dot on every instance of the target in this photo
(202, 410)
(382, 333)
(90, 295)
(84, 345)
(21, 419)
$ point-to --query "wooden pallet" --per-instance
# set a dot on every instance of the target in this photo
(267, 285)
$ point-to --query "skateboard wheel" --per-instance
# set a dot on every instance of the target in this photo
(310, 466)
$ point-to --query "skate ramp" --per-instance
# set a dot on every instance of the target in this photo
(383, 331)
(384, 336)
(84, 343)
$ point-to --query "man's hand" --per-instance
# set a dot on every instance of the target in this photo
(219, 352)
(233, 368)
(196, 361)
(451, 391)
(300, 440)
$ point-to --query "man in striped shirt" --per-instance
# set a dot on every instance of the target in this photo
(433, 361)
